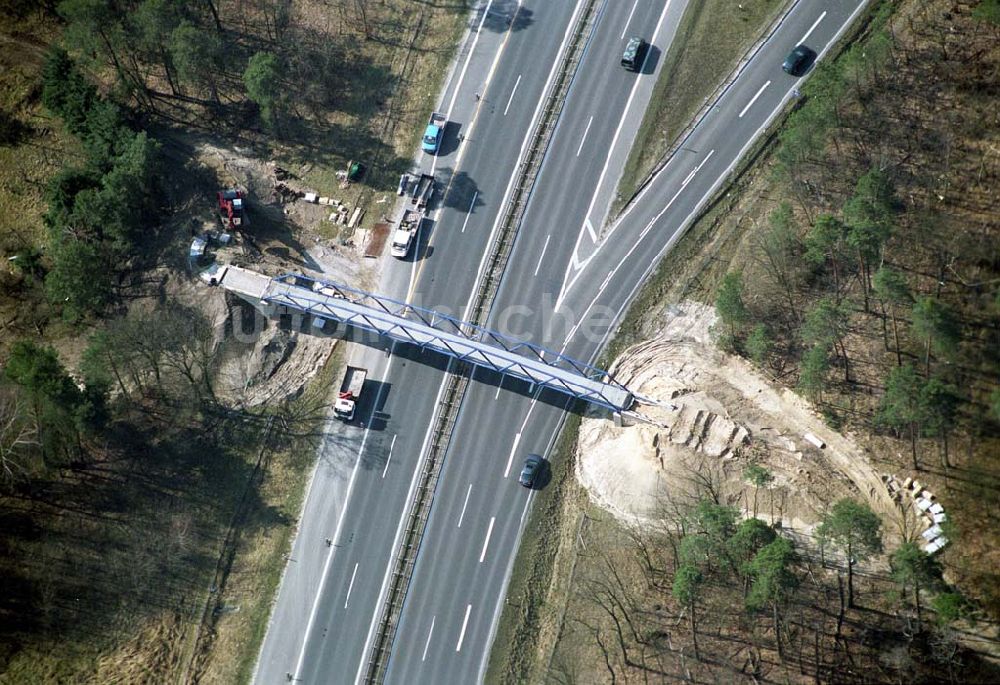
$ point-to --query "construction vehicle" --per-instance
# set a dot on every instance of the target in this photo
(231, 208)
(407, 228)
(423, 191)
(420, 189)
(350, 391)
(434, 132)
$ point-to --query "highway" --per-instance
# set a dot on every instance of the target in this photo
(329, 597)
(566, 284)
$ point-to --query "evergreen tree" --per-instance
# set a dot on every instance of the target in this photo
(729, 303)
(812, 375)
(262, 79)
(935, 325)
(773, 581)
(902, 406)
(912, 569)
(891, 288)
(759, 344)
(854, 528)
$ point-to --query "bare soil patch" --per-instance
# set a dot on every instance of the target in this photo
(716, 414)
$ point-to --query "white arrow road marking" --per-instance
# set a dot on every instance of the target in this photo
(587, 227)
(649, 226)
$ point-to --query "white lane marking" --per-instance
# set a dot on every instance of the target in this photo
(451, 106)
(402, 519)
(586, 131)
(469, 213)
(428, 643)
(468, 58)
(629, 20)
(638, 242)
(499, 387)
(472, 125)
(812, 28)
(576, 263)
(511, 98)
(638, 284)
(461, 516)
(513, 448)
(350, 586)
(590, 229)
(642, 235)
(753, 100)
(524, 144)
(340, 524)
(542, 256)
(465, 624)
(506, 581)
(486, 542)
(389, 458)
(606, 281)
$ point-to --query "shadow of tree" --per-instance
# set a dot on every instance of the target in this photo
(508, 15)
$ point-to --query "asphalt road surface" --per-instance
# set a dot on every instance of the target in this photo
(567, 283)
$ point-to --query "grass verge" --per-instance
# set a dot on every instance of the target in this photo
(529, 625)
(694, 63)
(541, 582)
(232, 635)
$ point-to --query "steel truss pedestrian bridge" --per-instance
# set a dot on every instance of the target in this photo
(324, 300)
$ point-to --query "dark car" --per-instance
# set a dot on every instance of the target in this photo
(635, 52)
(798, 60)
(531, 470)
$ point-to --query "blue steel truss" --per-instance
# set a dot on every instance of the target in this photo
(450, 336)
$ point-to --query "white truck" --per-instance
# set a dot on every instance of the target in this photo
(350, 391)
(402, 237)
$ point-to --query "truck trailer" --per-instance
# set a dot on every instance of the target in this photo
(350, 391)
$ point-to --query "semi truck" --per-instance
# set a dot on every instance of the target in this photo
(402, 237)
(434, 132)
(350, 391)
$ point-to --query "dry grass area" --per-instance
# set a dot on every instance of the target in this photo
(33, 148)
(230, 638)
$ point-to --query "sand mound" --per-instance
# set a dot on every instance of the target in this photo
(715, 415)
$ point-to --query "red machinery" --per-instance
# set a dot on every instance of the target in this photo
(231, 207)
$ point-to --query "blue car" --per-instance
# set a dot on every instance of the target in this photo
(433, 133)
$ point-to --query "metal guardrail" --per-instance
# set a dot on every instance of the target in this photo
(500, 250)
